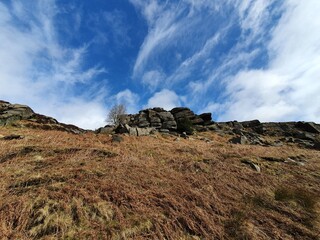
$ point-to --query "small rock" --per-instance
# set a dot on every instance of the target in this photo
(38, 158)
(239, 140)
(277, 144)
(12, 137)
(162, 130)
(207, 140)
(294, 162)
(184, 135)
(206, 160)
(251, 164)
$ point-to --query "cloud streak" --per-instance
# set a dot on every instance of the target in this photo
(36, 69)
(288, 87)
(261, 61)
(238, 59)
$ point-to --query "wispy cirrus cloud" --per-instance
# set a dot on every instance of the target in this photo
(239, 59)
(36, 68)
(287, 87)
(117, 22)
(255, 59)
(170, 25)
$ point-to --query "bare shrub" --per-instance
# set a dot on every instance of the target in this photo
(115, 114)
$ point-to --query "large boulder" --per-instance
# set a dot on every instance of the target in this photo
(154, 118)
(168, 121)
(171, 125)
(182, 113)
(308, 127)
(251, 124)
(239, 140)
(206, 117)
(133, 131)
(166, 116)
(105, 130)
(10, 113)
(144, 131)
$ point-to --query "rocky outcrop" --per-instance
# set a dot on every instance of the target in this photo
(10, 113)
(24, 116)
(162, 120)
(304, 134)
(308, 127)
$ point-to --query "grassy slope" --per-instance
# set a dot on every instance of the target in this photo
(59, 185)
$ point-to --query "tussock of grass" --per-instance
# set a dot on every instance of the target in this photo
(305, 198)
(235, 225)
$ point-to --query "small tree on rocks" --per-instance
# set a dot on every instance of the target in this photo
(115, 113)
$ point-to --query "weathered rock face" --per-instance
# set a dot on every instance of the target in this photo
(13, 113)
(134, 131)
(163, 120)
(308, 127)
(185, 113)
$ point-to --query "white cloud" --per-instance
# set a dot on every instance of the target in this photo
(188, 66)
(35, 69)
(166, 99)
(88, 115)
(116, 21)
(253, 14)
(166, 24)
(158, 35)
(153, 78)
(289, 88)
(150, 9)
(127, 98)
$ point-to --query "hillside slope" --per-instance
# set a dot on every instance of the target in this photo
(232, 180)
(56, 184)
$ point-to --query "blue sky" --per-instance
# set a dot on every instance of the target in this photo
(239, 59)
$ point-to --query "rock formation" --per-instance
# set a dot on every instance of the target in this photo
(161, 120)
(13, 112)
(22, 115)
(304, 134)
(177, 121)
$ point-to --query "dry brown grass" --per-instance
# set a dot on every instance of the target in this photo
(56, 185)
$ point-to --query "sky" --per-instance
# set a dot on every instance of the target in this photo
(238, 59)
